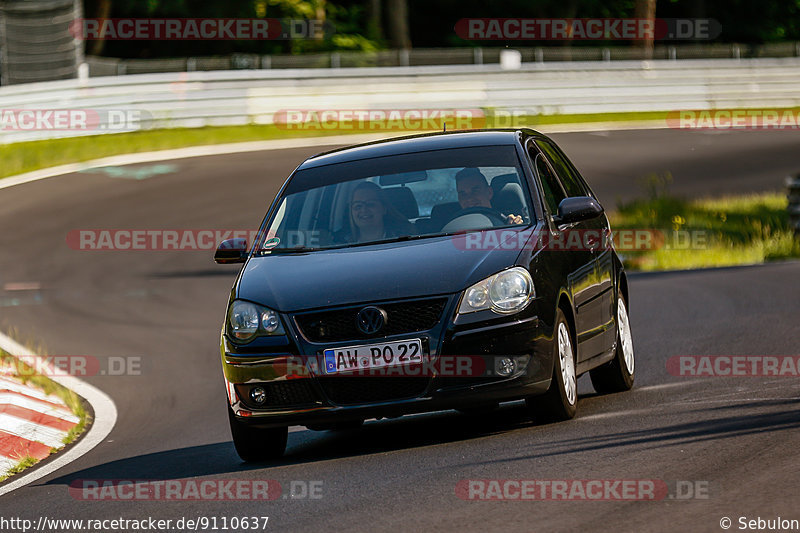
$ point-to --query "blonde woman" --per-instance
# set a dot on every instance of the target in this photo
(372, 217)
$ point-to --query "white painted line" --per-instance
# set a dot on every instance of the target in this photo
(105, 416)
(602, 128)
(22, 286)
(185, 153)
(614, 414)
(672, 385)
(10, 398)
(32, 431)
(7, 384)
(281, 144)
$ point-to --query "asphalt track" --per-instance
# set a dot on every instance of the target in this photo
(737, 434)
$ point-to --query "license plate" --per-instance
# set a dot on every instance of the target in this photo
(373, 356)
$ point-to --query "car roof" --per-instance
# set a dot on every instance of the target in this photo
(418, 143)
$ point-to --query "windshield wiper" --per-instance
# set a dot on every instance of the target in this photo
(290, 250)
(393, 239)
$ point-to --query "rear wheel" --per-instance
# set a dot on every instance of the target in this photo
(617, 375)
(561, 399)
(257, 444)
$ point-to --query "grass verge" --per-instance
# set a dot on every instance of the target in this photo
(28, 156)
(710, 232)
(24, 463)
(29, 376)
(24, 157)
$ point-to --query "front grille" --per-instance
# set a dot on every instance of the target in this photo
(340, 324)
(291, 393)
(358, 389)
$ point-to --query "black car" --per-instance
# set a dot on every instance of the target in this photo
(443, 271)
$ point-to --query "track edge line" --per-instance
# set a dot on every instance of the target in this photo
(105, 417)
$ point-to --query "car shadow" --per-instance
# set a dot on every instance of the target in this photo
(307, 446)
(409, 432)
(712, 428)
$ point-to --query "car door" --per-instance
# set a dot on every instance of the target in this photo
(600, 304)
(575, 261)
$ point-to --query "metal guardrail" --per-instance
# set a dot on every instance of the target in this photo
(104, 66)
(217, 98)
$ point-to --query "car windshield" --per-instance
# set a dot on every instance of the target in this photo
(405, 196)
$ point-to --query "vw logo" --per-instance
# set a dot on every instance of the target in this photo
(371, 320)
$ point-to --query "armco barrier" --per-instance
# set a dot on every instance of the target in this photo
(194, 99)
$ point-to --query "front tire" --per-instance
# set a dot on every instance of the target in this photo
(255, 444)
(618, 374)
(560, 402)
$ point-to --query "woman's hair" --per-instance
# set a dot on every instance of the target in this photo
(393, 220)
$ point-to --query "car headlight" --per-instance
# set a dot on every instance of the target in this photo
(509, 291)
(247, 320)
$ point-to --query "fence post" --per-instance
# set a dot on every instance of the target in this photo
(477, 56)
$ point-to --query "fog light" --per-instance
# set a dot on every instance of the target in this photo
(505, 366)
(258, 395)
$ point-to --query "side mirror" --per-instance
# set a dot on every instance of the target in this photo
(576, 209)
(231, 251)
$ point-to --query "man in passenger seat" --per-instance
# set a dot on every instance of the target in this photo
(474, 191)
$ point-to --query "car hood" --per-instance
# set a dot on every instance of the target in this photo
(424, 267)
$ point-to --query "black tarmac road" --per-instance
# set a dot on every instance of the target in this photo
(733, 440)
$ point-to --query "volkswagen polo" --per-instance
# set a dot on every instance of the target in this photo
(431, 272)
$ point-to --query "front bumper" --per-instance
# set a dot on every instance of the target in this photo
(298, 394)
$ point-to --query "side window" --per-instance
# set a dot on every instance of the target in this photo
(551, 187)
(568, 175)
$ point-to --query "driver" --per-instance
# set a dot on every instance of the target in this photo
(474, 191)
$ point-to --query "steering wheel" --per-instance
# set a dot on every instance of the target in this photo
(488, 212)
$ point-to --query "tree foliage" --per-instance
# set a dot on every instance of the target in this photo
(373, 24)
